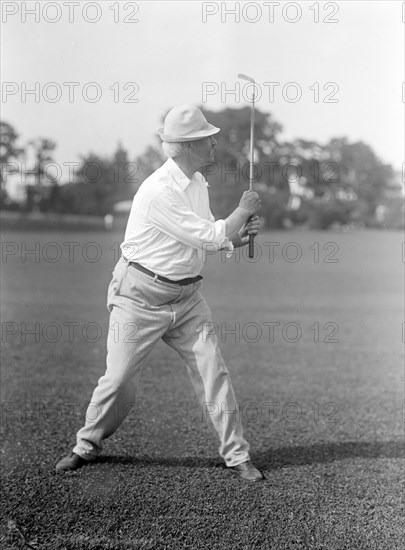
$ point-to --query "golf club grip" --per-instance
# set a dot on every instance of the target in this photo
(251, 243)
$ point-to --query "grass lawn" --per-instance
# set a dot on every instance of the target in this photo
(312, 335)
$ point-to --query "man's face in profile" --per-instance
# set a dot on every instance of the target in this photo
(204, 149)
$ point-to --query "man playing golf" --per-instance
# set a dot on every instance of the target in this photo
(155, 288)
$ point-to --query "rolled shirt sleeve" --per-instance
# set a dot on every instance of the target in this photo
(181, 223)
(227, 245)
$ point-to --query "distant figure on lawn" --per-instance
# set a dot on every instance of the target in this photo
(155, 288)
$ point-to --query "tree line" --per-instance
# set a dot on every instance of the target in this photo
(300, 181)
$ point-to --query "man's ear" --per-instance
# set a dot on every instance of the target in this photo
(190, 147)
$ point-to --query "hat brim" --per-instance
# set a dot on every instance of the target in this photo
(201, 134)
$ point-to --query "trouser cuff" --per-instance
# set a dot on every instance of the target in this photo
(231, 462)
(86, 455)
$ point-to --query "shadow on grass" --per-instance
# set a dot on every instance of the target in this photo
(185, 462)
(319, 453)
(273, 459)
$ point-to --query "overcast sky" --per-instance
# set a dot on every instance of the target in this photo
(171, 52)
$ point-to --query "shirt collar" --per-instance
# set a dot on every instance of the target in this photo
(180, 177)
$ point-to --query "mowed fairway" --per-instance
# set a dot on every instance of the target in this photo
(314, 347)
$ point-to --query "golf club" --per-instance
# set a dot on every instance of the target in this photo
(252, 141)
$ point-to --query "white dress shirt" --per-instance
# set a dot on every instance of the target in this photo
(170, 227)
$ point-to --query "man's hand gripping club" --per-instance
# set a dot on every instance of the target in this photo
(238, 225)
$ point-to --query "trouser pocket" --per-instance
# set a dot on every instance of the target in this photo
(146, 291)
(115, 285)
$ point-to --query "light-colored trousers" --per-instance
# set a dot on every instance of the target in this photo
(143, 310)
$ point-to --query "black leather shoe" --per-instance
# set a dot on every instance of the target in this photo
(71, 462)
(247, 471)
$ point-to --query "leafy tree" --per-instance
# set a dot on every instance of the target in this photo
(41, 192)
(234, 138)
(100, 182)
(229, 176)
(123, 175)
(9, 153)
(360, 171)
(94, 185)
(42, 154)
(8, 143)
(148, 162)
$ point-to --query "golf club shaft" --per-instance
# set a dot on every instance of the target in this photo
(252, 142)
(251, 175)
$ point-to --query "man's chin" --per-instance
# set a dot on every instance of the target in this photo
(210, 160)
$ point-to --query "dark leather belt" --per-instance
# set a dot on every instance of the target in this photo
(181, 282)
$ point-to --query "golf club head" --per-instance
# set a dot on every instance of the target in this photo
(245, 77)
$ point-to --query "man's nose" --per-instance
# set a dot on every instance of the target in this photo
(213, 141)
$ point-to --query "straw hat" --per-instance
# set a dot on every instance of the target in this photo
(186, 123)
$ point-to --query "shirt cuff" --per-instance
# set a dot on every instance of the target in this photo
(224, 242)
(228, 246)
